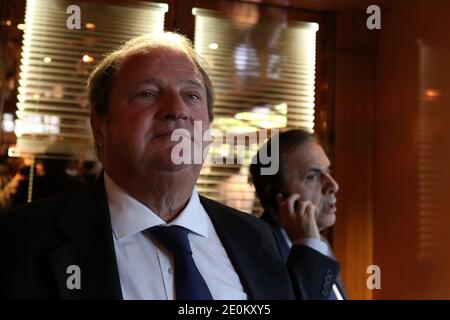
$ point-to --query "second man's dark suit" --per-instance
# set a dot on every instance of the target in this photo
(285, 250)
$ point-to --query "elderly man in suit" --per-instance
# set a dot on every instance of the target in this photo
(300, 199)
(142, 231)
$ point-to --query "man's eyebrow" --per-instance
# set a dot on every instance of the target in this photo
(148, 81)
(194, 82)
(314, 170)
(319, 170)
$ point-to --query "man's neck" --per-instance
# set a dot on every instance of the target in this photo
(165, 195)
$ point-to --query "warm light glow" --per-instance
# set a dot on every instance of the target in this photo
(281, 108)
(36, 124)
(8, 122)
(223, 124)
(21, 26)
(214, 46)
(430, 93)
(250, 116)
(90, 25)
(11, 151)
(47, 59)
(8, 22)
(27, 161)
(222, 150)
(87, 58)
(266, 116)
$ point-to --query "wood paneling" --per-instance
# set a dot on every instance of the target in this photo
(392, 151)
(412, 151)
(355, 72)
(396, 153)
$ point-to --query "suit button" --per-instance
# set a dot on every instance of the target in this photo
(329, 273)
(328, 278)
(324, 293)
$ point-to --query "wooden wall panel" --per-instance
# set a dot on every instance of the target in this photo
(396, 153)
(412, 219)
(355, 72)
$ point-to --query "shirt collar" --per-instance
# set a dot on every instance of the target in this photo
(129, 216)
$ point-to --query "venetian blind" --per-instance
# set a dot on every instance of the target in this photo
(264, 77)
(53, 109)
(434, 157)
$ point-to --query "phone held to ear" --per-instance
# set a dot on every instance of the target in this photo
(285, 196)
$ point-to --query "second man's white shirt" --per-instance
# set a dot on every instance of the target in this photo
(146, 268)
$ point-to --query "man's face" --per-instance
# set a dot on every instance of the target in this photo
(152, 94)
(308, 174)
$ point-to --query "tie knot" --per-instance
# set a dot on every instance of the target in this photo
(173, 238)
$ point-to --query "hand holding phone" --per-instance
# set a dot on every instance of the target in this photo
(297, 217)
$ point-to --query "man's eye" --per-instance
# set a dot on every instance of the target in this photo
(194, 96)
(146, 94)
(312, 177)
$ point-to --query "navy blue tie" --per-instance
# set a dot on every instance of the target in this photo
(189, 283)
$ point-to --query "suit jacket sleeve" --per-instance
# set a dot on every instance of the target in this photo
(312, 273)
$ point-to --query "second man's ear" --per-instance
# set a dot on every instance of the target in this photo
(97, 125)
(271, 193)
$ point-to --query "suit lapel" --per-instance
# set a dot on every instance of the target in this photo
(243, 244)
(89, 246)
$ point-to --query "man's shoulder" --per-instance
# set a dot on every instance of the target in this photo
(220, 208)
(29, 228)
(43, 206)
(39, 212)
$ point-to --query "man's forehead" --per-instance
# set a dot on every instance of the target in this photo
(310, 156)
(163, 57)
(150, 65)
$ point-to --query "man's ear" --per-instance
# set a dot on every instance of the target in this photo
(97, 125)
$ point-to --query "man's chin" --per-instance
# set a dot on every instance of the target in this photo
(171, 167)
(326, 219)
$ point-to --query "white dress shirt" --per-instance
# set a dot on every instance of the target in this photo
(146, 268)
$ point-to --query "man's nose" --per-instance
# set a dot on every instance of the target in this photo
(330, 185)
(173, 108)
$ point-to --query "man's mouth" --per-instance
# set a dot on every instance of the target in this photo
(331, 206)
(174, 134)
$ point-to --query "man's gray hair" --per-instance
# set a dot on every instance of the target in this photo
(101, 79)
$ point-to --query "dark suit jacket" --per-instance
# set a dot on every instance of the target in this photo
(285, 250)
(38, 242)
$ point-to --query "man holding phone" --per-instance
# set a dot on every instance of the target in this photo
(300, 202)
